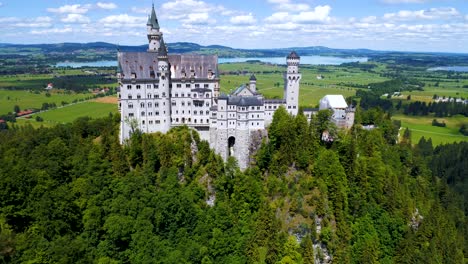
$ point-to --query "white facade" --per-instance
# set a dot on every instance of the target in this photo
(159, 91)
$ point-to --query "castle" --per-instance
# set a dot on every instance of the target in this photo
(159, 91)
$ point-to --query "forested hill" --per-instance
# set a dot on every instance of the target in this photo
(73, 194)
(105, 51)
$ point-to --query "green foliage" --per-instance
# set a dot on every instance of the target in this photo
(73, 194)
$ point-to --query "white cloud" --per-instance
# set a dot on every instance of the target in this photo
(76, 18)
(71, 9)
(199, 18)
(52, 31)
(38, 22)
(429, 14)
(188, 6)
(405, 1)
(139, 10)
(122, 20)
(288, 6)
(107, 6)
(320, 14)
(369, 19)
(243, 20)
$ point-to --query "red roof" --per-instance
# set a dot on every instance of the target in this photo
(2, 121)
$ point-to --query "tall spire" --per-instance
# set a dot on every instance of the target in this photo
(153, 20)
(162, 49)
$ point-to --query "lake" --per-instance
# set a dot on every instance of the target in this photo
(450, 68)
(313, 60)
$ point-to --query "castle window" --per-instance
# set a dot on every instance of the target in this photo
(289, 107)
(129, 96)
(190, 120)
(143, 122)
(149, 95)
(142, 104)
(176, 95)
(179, 85)
(150, 104)
(207, 112)
(294, 107)
(197, 85)
(183, 103)
(187, 85)
(138, 87)
(130, 105)
(163, 94)
(151, 122)
(207, 95)
(177, 112)
(201, 121)
(156, 96)
(138, 96)
(258, 107)
(206, 86)
(173, 103)
(129, 87)
(130, 114)
(258, 116)
(158, 122)
(170, 85)
(148, 86)
(207, 121)
(156, 113)
(177, 120)
(156, 104)
(156, 86)
(189, 103)
(195, 121)
(142, 113)
(150, 113)
(207, 104)
(195, 95)
(183, 95)
(195, 112)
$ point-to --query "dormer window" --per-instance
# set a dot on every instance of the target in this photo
(133, 75)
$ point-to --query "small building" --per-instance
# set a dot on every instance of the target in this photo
(342, 116)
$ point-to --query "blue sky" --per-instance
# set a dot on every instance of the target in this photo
(406, 25)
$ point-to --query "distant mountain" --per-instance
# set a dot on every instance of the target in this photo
(97, 51)
(183, 47)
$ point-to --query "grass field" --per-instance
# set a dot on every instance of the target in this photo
(422, 126)
(26, 99)
(72, 112)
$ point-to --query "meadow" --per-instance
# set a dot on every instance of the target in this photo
(26, 99)
(422, 126)
(70, 113)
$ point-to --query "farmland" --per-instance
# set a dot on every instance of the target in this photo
(422, 126)
(27, 99)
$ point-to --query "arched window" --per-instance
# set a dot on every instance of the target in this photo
(142, 113)
(130, 105)
(129, 96)
(149, 95)
(142, 104)
(138, 96)
(207, 112)
(150, 104)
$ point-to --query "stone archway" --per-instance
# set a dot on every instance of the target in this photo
(231, 143)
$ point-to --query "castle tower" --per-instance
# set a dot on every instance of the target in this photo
(164, 85)
(292, 79)
(253, 83)
(154, 35)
